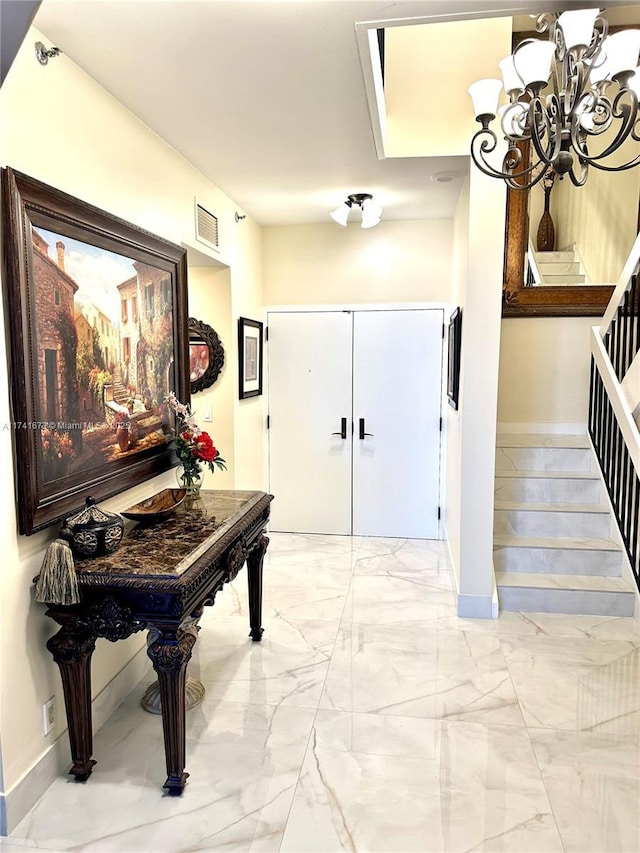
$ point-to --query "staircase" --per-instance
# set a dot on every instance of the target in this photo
(553, 550)
(558, 268)
(120, 393)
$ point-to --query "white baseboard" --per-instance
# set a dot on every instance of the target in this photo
(541, 428)
(22, 797)
(477, 606)
(473, 606)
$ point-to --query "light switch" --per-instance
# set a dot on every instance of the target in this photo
(206, 414)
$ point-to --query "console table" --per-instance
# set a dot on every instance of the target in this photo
(159, 579)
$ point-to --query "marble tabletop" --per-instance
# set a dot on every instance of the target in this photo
(157, 550)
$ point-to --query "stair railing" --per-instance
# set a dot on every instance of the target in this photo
(615, 345)
(532, 273)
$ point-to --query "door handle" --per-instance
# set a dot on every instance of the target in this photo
(343, 429)
(362, 432)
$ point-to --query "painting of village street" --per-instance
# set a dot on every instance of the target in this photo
(104, 346)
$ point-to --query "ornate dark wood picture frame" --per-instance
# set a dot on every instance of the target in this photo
(206, 355)
(96, 324)
(250, 357)
(454, 341)
(520, 300)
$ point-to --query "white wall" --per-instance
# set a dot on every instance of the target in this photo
(328, 264)
(479, 381)
(544, 374)
(453, 497)
(59, 126)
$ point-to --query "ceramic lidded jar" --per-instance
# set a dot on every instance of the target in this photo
(93, 532)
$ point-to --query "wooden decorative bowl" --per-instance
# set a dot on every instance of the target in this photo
(156, 507)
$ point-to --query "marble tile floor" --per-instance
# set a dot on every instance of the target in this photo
(371, 718)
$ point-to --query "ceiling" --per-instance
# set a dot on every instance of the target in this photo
(266, 98)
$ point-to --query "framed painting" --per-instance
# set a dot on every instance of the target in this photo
(206, 355)
(453, 362)
(250, 356)
(96, 322)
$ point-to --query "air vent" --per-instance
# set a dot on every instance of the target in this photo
(206, 227)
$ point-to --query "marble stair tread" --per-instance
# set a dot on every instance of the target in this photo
(551, 507)
(584, 583)
(507, 439)
(547, 475)
(555, 543)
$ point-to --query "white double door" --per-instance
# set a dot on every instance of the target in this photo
(354, 422)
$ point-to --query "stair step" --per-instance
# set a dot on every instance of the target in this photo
(568, 542)
(546, 506)
(553, 593)
(548, 475)
(551, 519)
(511, 439)
(565, 255)
(559, 268)
(563, 278)
(567, 556)
(543, 459)
(539, 486)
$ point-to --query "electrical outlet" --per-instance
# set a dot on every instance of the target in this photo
(49, 714)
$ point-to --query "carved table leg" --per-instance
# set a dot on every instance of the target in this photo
(194, 688)
(72, 648)
(254, 573)
(170, 652)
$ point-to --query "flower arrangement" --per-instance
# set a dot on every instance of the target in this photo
(193, 446)
(56, 445)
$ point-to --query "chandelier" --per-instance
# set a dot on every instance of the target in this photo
(573, 101)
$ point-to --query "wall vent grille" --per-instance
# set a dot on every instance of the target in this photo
(206, 227)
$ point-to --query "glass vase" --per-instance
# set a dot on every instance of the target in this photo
(189, 480)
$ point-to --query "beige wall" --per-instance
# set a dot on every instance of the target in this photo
(327, 264)
(59, 126)
(600, 219)
(428, 69)
(544, 371)
(210, 302)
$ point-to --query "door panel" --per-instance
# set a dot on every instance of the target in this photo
(309, 396)
(396, 392)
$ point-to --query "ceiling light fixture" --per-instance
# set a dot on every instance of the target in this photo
(371, 212)
(594, 88)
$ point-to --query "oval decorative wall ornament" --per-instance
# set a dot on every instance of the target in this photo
(206, 355)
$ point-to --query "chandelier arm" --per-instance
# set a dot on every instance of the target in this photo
(580, 79)
(555, 139)
(513, 179)
(626, 113)
(629, 165)
(584, 173)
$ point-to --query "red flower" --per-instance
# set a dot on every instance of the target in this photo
(204, 448)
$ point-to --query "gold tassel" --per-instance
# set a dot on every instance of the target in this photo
(57, 582)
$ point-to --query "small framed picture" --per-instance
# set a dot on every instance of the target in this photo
(453, 364)
(250, 355)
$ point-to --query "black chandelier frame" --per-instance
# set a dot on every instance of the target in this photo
(553, 124)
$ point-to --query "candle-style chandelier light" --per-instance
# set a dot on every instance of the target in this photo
(589, 112)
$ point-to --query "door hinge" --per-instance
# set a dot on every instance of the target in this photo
(266, 333)
(439, 513)
(443, 331)
(268, 421)
(440, 424)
